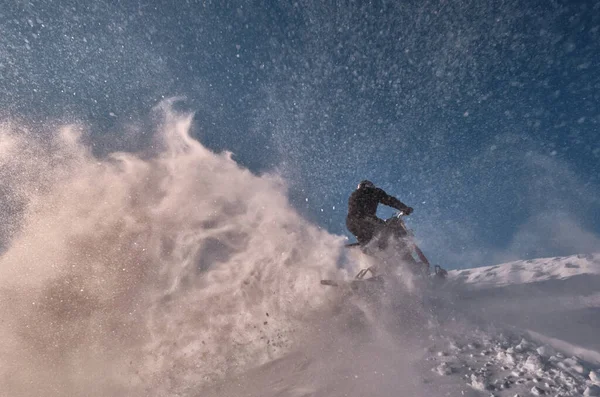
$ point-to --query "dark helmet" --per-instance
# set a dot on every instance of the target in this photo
(365, 183)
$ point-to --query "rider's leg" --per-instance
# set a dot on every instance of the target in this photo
(377, 230)
(365, 228)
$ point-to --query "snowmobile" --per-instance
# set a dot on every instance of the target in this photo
(397, 233)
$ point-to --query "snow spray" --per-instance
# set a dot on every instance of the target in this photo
(146, 273)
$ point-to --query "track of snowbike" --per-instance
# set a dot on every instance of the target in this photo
(521, 328)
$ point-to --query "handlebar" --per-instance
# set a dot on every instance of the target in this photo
(397, 215)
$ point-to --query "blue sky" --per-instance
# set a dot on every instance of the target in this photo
(482, 115)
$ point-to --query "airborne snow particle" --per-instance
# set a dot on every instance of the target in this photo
(584, 65)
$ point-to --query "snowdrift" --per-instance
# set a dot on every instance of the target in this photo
(523, 328)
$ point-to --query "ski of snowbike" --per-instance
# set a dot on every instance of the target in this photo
(399, 230)
(439, 273)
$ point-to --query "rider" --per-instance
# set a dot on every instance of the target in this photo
(362, 220)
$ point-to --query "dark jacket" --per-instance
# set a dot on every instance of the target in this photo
(362, 218)
(363, 202)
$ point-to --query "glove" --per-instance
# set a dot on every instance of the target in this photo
(408, 210)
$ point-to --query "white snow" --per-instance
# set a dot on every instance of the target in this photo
(444, 369)
(545, 351)
(547, 310)
(530, 271)
(524, 328)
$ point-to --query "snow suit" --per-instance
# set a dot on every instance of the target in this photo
(362, 219)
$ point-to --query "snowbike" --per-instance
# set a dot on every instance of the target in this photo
(395, 232)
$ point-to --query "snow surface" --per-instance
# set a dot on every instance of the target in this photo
(524, 328)
(530, 271)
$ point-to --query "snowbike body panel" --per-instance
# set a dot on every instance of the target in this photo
(397, 232)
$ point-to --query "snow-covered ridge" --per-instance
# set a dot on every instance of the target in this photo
(529, 271)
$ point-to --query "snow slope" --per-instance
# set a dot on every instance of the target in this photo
(546, 312)
(530, 271)
(524, 328)
(555, 299)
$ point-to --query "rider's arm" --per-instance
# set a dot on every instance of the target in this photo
(390, 201)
